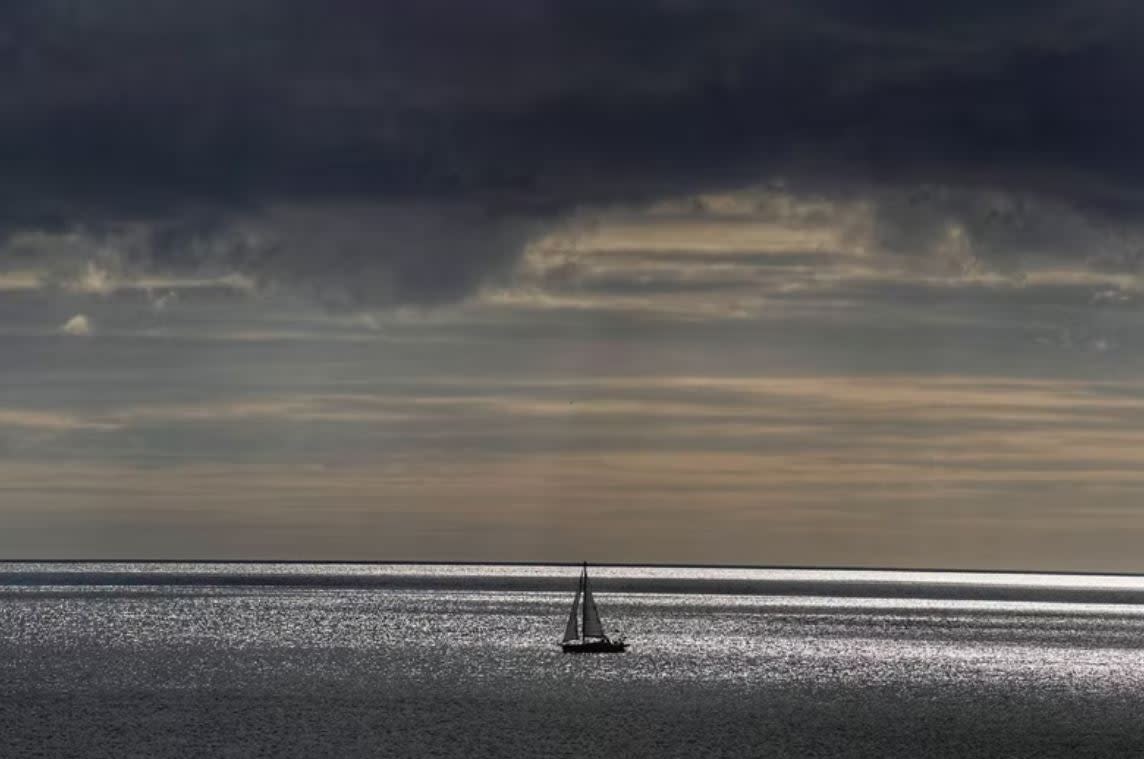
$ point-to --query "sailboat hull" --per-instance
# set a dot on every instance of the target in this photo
(595, 647)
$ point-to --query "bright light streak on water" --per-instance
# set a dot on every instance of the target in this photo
(893, 577)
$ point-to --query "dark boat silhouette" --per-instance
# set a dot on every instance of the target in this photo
(584, 633)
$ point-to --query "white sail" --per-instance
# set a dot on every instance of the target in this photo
(571, 632)
(592, 626)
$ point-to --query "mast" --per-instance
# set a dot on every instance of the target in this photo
(584, 584)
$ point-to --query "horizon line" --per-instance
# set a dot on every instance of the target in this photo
(650, 565)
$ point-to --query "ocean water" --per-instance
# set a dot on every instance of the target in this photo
(304, 660)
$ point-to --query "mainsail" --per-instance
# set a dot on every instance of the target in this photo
(592, 626)
(570, 632)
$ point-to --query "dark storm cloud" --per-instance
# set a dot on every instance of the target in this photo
(402, 151)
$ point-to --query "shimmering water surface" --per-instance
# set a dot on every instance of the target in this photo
(163, 660)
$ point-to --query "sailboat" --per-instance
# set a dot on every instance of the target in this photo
(585, 634)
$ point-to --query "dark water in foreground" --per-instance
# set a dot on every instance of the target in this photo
(346, 661)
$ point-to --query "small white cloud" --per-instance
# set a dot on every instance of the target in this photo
(161, 302)
(1110, 295)
(366, 321)
(78, 325)
(94, 279)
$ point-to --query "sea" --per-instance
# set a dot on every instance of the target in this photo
(432, 660)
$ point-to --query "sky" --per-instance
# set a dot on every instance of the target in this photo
(781, 283)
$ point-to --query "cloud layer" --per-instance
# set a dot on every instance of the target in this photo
(385, 152)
